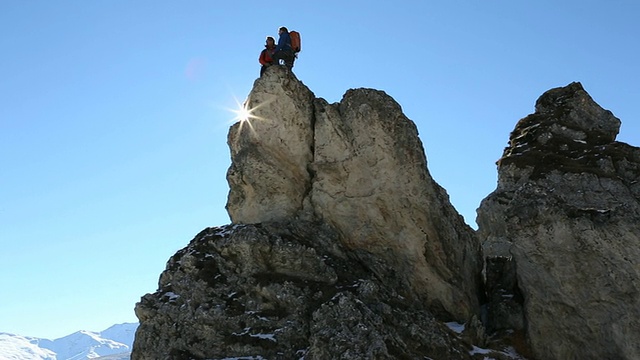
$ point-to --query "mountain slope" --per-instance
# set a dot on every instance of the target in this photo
(122, 333)
(16, 347)
(114, 342)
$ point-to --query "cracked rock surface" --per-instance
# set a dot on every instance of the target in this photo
(282, 291)
(342, 246)
(358, 166)
(564, 222)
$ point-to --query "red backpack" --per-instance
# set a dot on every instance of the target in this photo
(295, 41)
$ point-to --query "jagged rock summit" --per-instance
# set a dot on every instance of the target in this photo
(562, 232)
(342, 246)
(360, 167)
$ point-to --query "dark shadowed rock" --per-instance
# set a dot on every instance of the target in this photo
(566, 213)
(282, 291)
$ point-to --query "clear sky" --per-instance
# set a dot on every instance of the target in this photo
(114, 116)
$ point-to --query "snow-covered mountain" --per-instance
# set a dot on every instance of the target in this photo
(16, 347)
(114, 343)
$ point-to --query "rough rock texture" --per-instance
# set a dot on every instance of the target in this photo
(360, 167)
(270, 153)
(562, 232)
(282, 291)
(371, 183)
(342, 246)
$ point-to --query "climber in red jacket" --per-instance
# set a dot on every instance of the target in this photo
(266, 56)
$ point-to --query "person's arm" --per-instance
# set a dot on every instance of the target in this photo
(263, 57)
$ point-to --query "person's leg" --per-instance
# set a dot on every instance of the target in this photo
(288, 58)
(277, 56)
(293, 60)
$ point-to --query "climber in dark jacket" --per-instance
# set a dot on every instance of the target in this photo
(283, 49)
(266, 55)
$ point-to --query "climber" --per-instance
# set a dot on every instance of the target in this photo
(266, 56)
(283, 49)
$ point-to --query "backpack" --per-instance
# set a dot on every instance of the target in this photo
(295, 41)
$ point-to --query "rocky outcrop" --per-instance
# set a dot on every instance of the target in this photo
(360, 167)
(271, 151)
(282, 291)
(562, 232)
(371, 183)
(342, 245)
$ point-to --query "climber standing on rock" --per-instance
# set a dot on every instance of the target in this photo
(283, 50)
(266, 56)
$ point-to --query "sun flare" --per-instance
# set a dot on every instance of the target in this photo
(248, 115)
(243, 113)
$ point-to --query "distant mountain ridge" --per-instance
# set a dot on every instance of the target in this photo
(113, 343)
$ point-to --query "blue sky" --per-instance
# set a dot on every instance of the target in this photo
(114, 115)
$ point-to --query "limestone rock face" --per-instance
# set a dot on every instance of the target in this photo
(360, 167)
(282, 291)
(270, 153)
(342, 246)
(562, 232)
(371, 183)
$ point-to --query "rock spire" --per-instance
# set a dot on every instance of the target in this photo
(360, 167)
